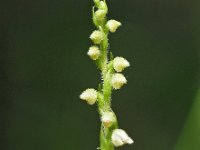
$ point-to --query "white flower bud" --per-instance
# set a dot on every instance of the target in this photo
(103, 6)
(94, 52)
(112, 25)
(120, 63)
(100, 14)
(89, 95)
(119, 137)
(107, 119)
(96, 36)
(118, 80)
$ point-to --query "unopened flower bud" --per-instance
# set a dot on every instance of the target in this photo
(100, 14)
(94, 52)
(119, 137)
(96, 36)
(107, 119)
(118, 80)
(103, 6)
(97, 2)
(89, 95)
(120, 63)
(112, 25)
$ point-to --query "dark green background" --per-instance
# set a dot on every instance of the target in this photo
(44, 68)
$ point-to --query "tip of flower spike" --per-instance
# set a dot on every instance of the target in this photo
(97, 2)
(103, 6)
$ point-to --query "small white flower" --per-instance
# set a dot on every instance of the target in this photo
(89, 95)
(119, 137)
(120, 63)
(112, 25)
(107, 119)
(94, 52)
(96, 36)
(118, 80)
(100, 14)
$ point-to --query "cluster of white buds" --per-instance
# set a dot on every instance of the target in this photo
(118, 79)
(120, 137)
(89, 95)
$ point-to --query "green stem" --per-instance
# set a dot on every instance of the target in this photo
(106, 71)
(104, 94)
(105, 140)
(105, 137)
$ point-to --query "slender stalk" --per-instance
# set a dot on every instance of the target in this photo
(106, 73)
(110, 135)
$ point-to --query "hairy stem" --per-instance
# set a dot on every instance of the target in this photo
(106, 72)
(105, 101)
(111, 77)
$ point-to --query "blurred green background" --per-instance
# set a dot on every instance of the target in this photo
(44, 68)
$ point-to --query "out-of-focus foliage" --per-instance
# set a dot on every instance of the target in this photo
(190, 136)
